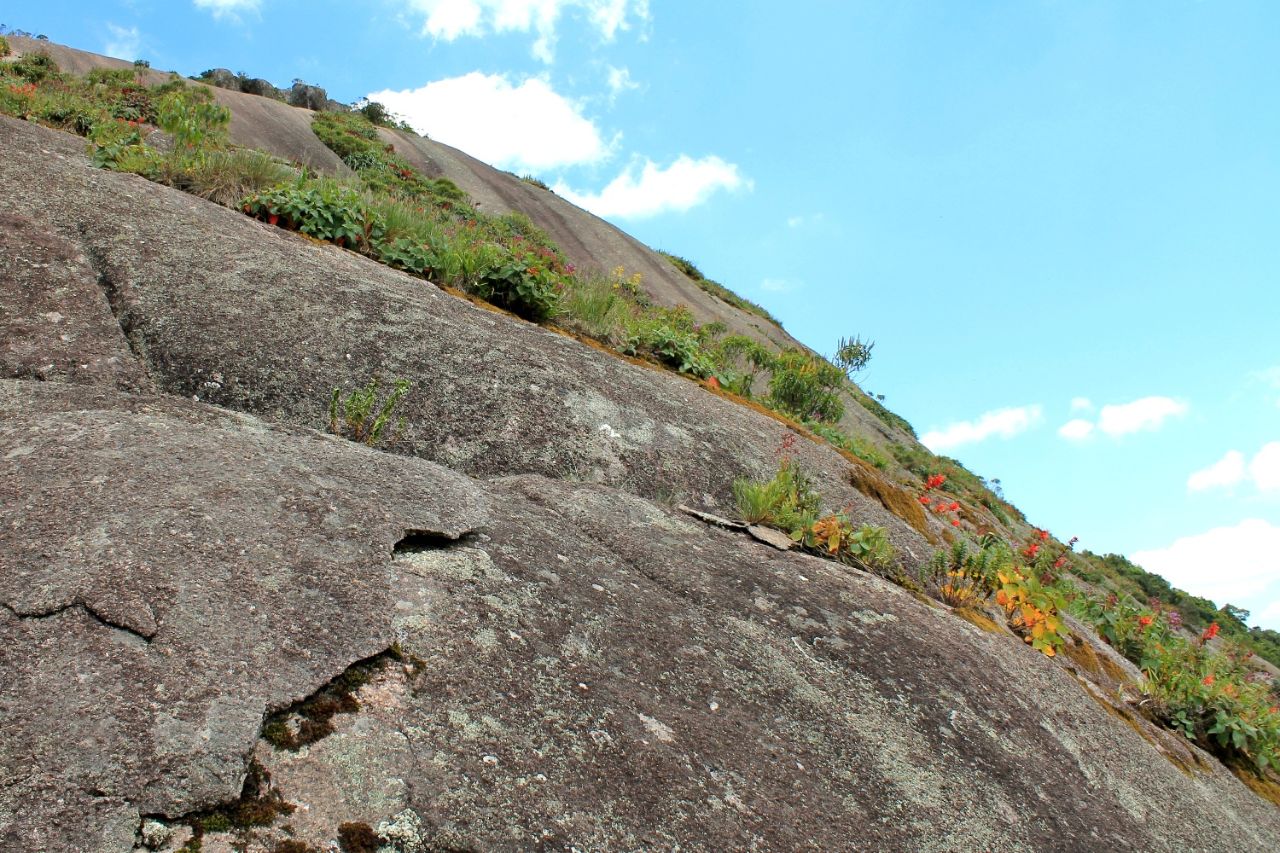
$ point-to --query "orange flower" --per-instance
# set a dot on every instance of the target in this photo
(1208, 681)
(1145, 621)
(1210, 632)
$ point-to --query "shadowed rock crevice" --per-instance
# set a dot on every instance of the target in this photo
(145, 634)
(109, 281)
(417, 541)
(311, 719)
(259, 805)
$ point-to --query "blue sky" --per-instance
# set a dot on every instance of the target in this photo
(1057, 220)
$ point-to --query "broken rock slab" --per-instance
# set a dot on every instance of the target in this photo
(171, 572)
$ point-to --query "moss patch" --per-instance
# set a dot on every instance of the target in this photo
(978, 619)
(871, 483)
(311, 719)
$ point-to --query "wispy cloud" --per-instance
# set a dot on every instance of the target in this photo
(1225, 564)
(1081, 404)
(619, 81)
(800, 221)
(778, 285)
(1003, 423)
(1227, 471)
(448, 20)
(227, 8)
(1149, 413)
(1263, 469)
(123, 43)
(1077, 429)
(646, 189)
(478, 112)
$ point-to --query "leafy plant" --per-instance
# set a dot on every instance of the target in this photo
(194, 120)
(4, 46)
(360, 417)
(806, 386)
(867, 546)
(852, 355)
(324, 209)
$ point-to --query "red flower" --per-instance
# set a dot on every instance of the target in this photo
(924, 499)
(1060, 562)
(1030, 551)
(935, 481)
(1043, 534)
(955, 522)
(1208, 681)
(712, 382)
(955, 507)
(1145, 621)
(1210, 632)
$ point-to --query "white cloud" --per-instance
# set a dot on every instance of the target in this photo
(1225, 564)
(1005, 423)
(524, 126)
(227, 8)
(1264, 468)
(1077, 429)
(1145, 414)
(123, 43)
(778, 285)
(451, 19)
(1227, 471)
(1081, 404)
(648, 189)
(801, 221)
(620, 81)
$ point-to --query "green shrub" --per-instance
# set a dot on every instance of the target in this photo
(806, 387)
(4, 46)
(324, 209)
(520, 283)
(193, 119)
(34, 67)
(361, 418)
(537, 182)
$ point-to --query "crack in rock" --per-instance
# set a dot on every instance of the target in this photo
(144, 634)
(130, 326)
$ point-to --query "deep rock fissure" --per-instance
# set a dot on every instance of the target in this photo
(129, 326)
(416, 541)
(259, 805)
(311, 718)
(144, 636)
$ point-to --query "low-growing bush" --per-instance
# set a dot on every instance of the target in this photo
(324, 209)
(806, 386)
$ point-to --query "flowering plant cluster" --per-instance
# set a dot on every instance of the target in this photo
(939, 504)
(1208, 692)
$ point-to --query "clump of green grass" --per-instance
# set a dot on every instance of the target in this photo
(360, 416)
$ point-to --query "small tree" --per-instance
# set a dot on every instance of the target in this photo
(852, 355)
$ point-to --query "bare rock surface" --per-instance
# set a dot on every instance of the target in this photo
(237, 313)
(55, 314)
(171, 572)
(596, 672)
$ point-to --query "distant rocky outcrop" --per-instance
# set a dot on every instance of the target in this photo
(300, 94)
